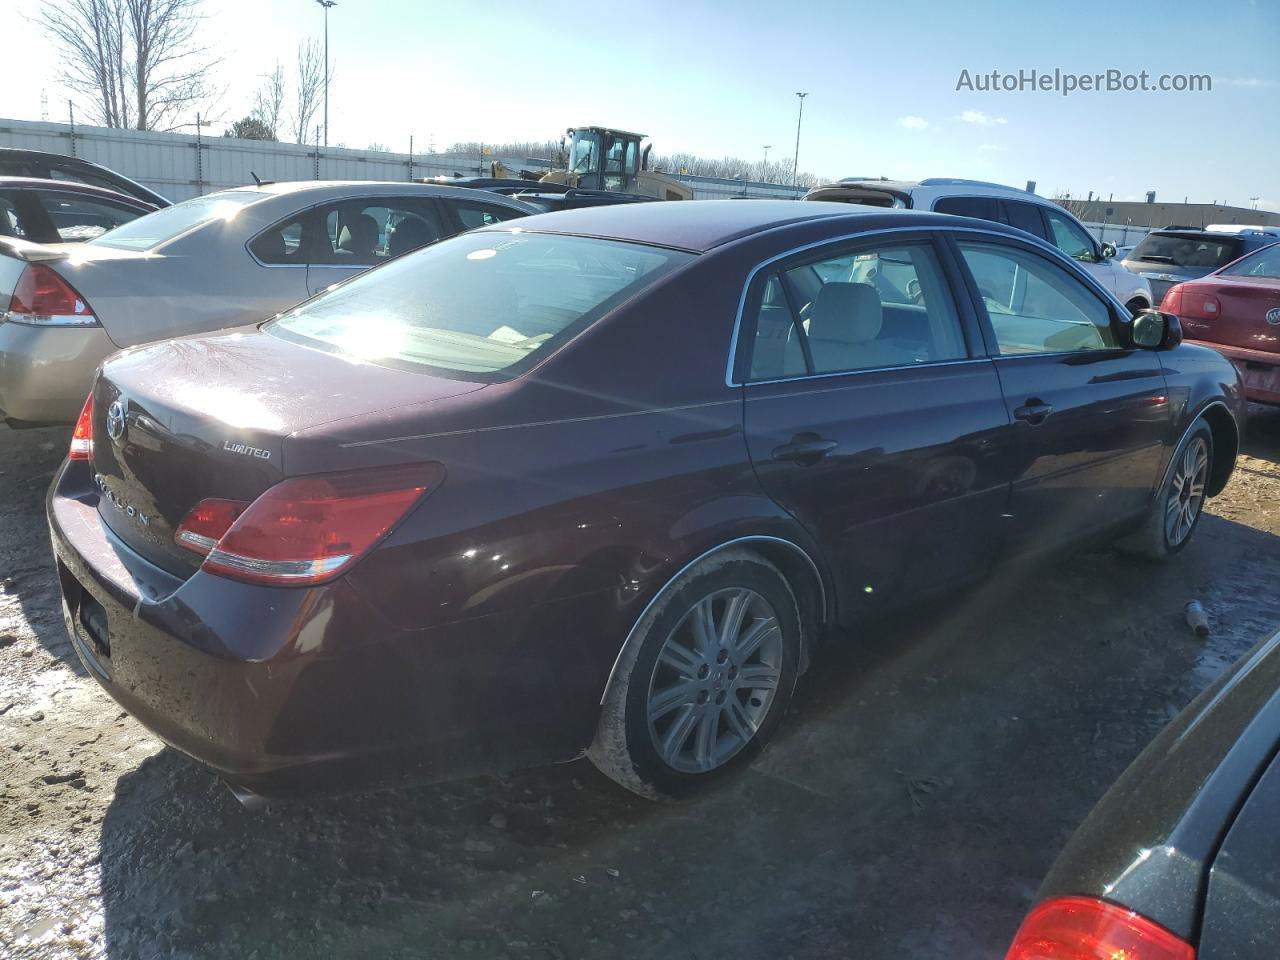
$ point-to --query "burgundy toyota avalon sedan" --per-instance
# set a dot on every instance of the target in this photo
(603, 483)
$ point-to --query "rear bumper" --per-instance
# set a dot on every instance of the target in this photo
(293, 691)
(1259, 370)
(45, 371)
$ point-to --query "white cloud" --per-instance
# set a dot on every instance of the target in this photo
(981, 119)
(1250, 82)
(913, 123)
(991, 147)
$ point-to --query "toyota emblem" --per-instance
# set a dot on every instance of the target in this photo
(115, 420)
(1273, 317)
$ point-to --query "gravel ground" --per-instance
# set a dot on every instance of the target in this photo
(910, 807)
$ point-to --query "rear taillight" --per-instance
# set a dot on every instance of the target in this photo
(82, 435)
(44, 299)
(305, 530)
(1197, 305)
(206, 523)
(1172, 301)
(1081, 928)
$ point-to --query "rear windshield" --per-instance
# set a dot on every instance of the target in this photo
(1260, 263)
(480, 306)
(163, 225)
(1187, 250)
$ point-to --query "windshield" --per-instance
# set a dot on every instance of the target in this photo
(480, 305)
(583, 157)
(150, 231)
(1260, 263)
(1187, 250)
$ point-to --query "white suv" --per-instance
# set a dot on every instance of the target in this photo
(991, 201)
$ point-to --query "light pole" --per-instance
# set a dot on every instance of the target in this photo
(795, 170)
(326, 4)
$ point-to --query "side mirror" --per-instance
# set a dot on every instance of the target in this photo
(1153, 330)
(1108, 250)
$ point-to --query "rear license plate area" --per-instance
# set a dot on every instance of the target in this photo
(91, 617)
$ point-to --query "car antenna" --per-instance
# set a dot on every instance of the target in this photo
(256, 179)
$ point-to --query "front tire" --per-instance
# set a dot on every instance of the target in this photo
(704, 682)
(1180, 502)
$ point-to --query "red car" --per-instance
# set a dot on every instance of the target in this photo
(1236, 311)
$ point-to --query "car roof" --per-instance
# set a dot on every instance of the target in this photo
(701, 225)
(73, 186)
(337, 189)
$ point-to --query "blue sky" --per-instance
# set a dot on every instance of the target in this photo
(719, 78)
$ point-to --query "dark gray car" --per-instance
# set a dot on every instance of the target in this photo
(1180, 857)
(1171, 256)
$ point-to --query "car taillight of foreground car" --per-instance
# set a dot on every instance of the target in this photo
(304, 530)
(1082, 928)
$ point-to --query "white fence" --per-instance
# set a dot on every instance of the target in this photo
(180, 166)
(1121, 234)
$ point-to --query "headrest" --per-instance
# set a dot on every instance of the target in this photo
(849, 312)
(409, 234)
(359, 233)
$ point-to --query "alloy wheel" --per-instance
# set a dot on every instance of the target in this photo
(715, 680)
(1186, 492)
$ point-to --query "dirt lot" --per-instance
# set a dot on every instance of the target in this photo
(930, 774)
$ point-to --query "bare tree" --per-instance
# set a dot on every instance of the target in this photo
(136, 62)
(309, 91)
(268, 101)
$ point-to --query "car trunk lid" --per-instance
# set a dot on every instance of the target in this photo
(181, 421)
(1243, 305)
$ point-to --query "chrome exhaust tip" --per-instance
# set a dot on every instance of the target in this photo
(252, 802)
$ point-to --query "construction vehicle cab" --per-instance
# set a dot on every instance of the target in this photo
(600, 158)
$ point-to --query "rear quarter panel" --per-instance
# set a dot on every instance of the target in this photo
(205, 283)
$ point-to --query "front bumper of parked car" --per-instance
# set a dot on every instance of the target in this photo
(283, 691)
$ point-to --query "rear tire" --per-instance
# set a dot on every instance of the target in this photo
(704, 682)
(1136, 306)
(1179, 504)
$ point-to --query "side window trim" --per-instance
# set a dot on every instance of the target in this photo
(984, 319)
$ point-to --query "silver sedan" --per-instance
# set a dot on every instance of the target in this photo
(217, 261)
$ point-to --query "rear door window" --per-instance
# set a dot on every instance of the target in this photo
(1024, 216)
(983, 208)
(367, 232)
(869, 308)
